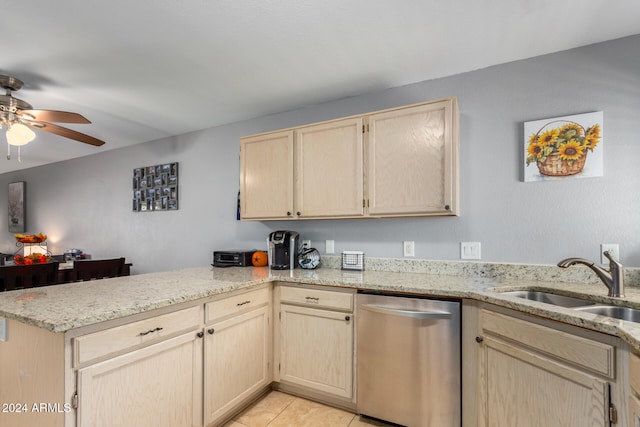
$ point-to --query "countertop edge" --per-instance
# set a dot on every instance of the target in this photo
(23, 305)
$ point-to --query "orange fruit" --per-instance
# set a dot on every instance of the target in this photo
(259, 259)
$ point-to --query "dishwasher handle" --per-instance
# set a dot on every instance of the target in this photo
(429, 314)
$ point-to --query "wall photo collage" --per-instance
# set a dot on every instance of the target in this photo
(155, 188)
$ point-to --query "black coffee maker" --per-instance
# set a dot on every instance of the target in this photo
(283, 250)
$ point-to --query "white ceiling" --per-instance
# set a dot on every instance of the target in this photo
(143, 70)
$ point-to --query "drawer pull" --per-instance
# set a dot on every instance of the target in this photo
(150, 331)
(210, 331)
(200, 334)
(243, 303)
(312, 299)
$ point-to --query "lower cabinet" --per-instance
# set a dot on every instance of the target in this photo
(179, 369)
(634, 411)
(157, 386)
(634, 386)
(237, 362)
(316, 341)
(533, 375)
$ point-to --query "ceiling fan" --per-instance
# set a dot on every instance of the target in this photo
(19, 117)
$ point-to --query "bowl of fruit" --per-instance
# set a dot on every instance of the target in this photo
(31, 259)
(31, 238)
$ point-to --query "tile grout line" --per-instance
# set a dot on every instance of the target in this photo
(283, 409)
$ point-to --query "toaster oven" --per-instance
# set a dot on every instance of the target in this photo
(233, 258)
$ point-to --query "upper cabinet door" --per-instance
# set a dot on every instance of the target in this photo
(412, 162)
(266, 176)
(329, 169)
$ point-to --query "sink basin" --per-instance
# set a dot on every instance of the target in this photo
(622, 313)
(549, 298)
(579, 304)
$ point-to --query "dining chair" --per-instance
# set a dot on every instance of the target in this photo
(98, 268)
(28, 276)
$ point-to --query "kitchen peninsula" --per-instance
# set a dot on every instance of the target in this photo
(61, 339)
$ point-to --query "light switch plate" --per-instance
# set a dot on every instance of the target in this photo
(329, 247)
(409, 249)
(3, 329)
(470, 250)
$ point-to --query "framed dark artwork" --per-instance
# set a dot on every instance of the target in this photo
(17, 206)
(155, 188)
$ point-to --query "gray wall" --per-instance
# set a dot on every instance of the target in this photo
(86, 203)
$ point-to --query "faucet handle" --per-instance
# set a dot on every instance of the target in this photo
(612, 261)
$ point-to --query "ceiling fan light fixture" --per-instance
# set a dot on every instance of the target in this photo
(19, 134)
(20, 119)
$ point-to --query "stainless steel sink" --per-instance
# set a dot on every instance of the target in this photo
(579, 304)
(549, 298)
(622, 313)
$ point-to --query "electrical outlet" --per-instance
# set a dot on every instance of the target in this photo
(409, 248)
(470, 250)
(614, 250)
(329, 247)
(306, 244)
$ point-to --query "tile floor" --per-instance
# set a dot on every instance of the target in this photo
(278, 409)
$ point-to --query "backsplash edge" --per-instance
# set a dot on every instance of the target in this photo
(541, 272)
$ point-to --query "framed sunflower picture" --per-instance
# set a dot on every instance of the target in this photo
(564, 147)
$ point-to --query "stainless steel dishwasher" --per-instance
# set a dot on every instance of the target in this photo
(408, 359)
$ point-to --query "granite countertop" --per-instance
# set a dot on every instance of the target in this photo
(61, 308)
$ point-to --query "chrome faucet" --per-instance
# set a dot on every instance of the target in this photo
(613, 278)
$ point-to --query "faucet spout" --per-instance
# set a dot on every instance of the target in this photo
(612, 278)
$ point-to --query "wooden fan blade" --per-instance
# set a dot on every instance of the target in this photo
(67, 133)
(52, 116)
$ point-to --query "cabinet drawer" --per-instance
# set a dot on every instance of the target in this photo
(236, 304)
(317, 298)
(585, 353)
(116, 340)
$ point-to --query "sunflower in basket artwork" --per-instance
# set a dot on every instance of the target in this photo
(559, 147)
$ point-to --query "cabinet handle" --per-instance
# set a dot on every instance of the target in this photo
(150, 331)
(312, 299)
(347, 318)
(200, 334)
(428, 314)
(210, 331)
(288, 213)
(479, 340)
(447, 207)
(298, 213)
(243, 303)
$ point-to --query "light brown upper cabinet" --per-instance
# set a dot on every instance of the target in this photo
(412, 161)
(266, 176)
(328, 171)
(391, 163)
